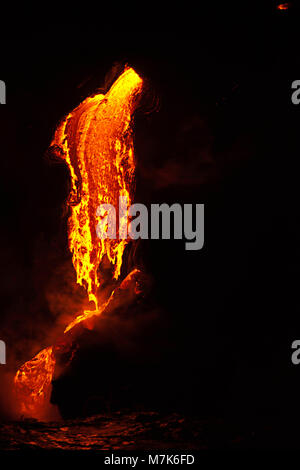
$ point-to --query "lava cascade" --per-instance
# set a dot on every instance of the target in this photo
(96, 142)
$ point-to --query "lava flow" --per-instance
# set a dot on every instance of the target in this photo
(96, 142)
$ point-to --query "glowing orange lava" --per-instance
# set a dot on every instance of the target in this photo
(96, 142)
(283, 6)
(32, 383)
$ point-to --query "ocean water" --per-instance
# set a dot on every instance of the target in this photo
(116, 431)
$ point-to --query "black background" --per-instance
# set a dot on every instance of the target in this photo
(226, 135)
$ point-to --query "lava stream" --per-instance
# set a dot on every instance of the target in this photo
(96, 142)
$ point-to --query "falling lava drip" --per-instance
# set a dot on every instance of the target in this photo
(96, 142)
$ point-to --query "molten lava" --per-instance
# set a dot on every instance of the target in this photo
(32, 383)
(283, 6)
(96, 142)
